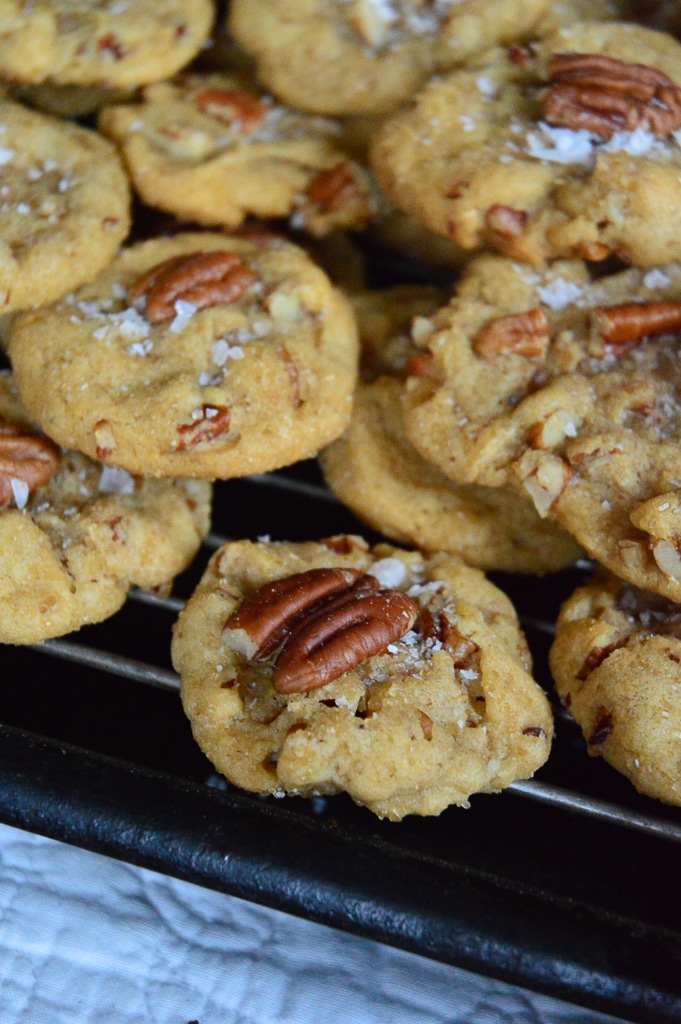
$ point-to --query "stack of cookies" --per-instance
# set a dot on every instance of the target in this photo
(522, 414)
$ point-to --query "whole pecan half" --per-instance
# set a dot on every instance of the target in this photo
(522, 334)
(24, 456)
(325, 622)
(203, 279)
(268, 615)
(625, 326)
(233, 106)
(605, 95)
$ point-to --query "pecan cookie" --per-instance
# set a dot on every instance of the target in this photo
(378, 473)
(76, 535)
(369, 56)
(567, 148)
(102, 44)
(616, 661)
(209, 150)
(64, 206)
(566, 389)
(198, 355)
(318, 667)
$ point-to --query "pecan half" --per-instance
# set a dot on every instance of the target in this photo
(325, 622)
(605, 95)
(202, 278)
(625, 326)
(521, 334)
(329, 189)
(214, 420)
(336, 641)
(27, 457)
(233, 106)
(267, 615)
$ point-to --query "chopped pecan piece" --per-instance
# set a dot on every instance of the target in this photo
(214, 420)
(436, 626)
(603, 726)
(625, 326)
(203, 279)
(605, 95)
(26, 457)
(506, 220)
(328, 621)
(522, 334)
(596, 657)
(233, 106)
(329, 189)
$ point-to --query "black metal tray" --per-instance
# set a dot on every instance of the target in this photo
(567, 884)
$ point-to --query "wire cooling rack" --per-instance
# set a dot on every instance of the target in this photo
(565, 883)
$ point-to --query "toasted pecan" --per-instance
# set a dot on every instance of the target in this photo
(605, 95)
(203, 279)
(30, 458)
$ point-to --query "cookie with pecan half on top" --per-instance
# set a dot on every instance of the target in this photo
(212, 149)
(566, 389)
(76, 535)
(320, 667)
(616, 660)
(568, 147)
(199, 355)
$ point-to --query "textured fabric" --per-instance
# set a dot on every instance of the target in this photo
(85, 939)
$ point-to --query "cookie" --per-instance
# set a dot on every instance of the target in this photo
(64, 206)
(76, 535)
(616, 660)
(376, 471)
(566, 389)
(198, 355)
(369, 56)
(209, 150)
(111, 45)
(545, 152)
(420, 699)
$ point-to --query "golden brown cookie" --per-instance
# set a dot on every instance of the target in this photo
(115, 44)
(209, 149)
(369, 56)
(567, 148)
(566, 389)
(64, 206)
(199, 355)
(76, 535)
(616, 661)
(410, 690)
(378, 473)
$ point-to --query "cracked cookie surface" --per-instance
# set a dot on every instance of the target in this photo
(566, 389)
(410, 730)
(616, 661)
(236, 357)
(211, 150)
(539, 161)
(98, 42)
(76, 536)
(64, 206)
